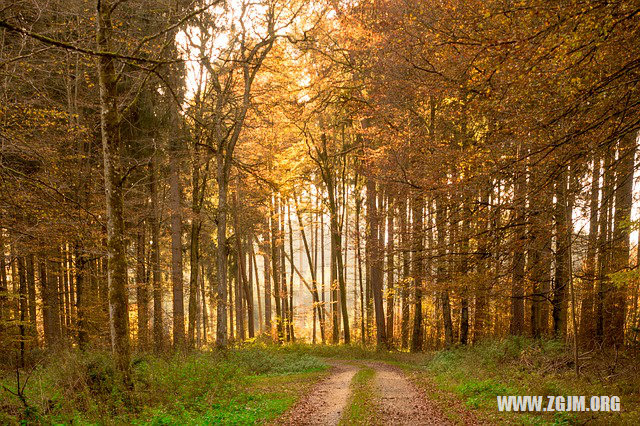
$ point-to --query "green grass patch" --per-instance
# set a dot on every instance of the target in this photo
(361, 405)
(475, 375)
(238, 386)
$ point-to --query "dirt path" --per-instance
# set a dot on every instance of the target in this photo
(400, 402)
(396, 399)
(327, 400)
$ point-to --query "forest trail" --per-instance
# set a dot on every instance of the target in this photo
(400, 402)
(395, 399)
(326, 401)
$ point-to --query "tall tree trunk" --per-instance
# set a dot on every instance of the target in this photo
(248, 292)
(154, 222)
(363, 331)
(540, 253)
(81, 297)
(65, 290)
(197, 197)
(284, 291)
(391, 211)
(406, 273)
(615, 300)
(441, 219)
(481, 316)
(205, 314)
(518, 273)
(22, 305)
(222, 177)
(463, 271)
(291, 313)
(113, 179)
(142, 296)
(587, 314)
(4, 300)
(254, 265)
(336, 244)
(417, 272)
(31, 290)
(275, 260)
(317, 309)
(175, 202)
(373, 261)
(562, 257)
(266, 261)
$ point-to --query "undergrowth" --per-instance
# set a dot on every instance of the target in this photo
(196, 388)
(521, 366)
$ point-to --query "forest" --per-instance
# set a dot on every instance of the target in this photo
(210, 208)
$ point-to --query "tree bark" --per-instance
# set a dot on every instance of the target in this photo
(391, 211)
(616, 298)
(154, 222)
(175, 203)
(142, 295)
(518, 273)
(587, 313)
(373, 261)
(417, 273)
(113, 179)
(562, 256)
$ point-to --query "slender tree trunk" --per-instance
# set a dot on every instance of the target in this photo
(604, 251)
(284, 291)
(81, 297)
(359, 261)
(481, 317)
(390, 267)
(464, 270)
(442, 272)
(562, 259)
(154, 222)
(222, 176)
(373, 261)
(198, 189)
(205, 314)
(4, 302)
(64, 292)
(291, 313)
(541, 256)
(615, 300)
(417, 273)
(113, 178)
(587, 314)
(254, 267)
(518, 273)
(248, 292)
(175, 200)
(406, 272)
(22, 306)
(142, 297)
(266, 260)
(275, 259)
(31, 290)
(312, 267)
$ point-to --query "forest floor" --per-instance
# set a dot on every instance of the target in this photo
(320, 384)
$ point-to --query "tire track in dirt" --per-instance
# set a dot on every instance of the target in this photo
(399, 402)
(327, 400)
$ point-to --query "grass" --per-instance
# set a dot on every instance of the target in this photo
(361, 404)
(257, 383)
(471, 377)
(240, 386)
